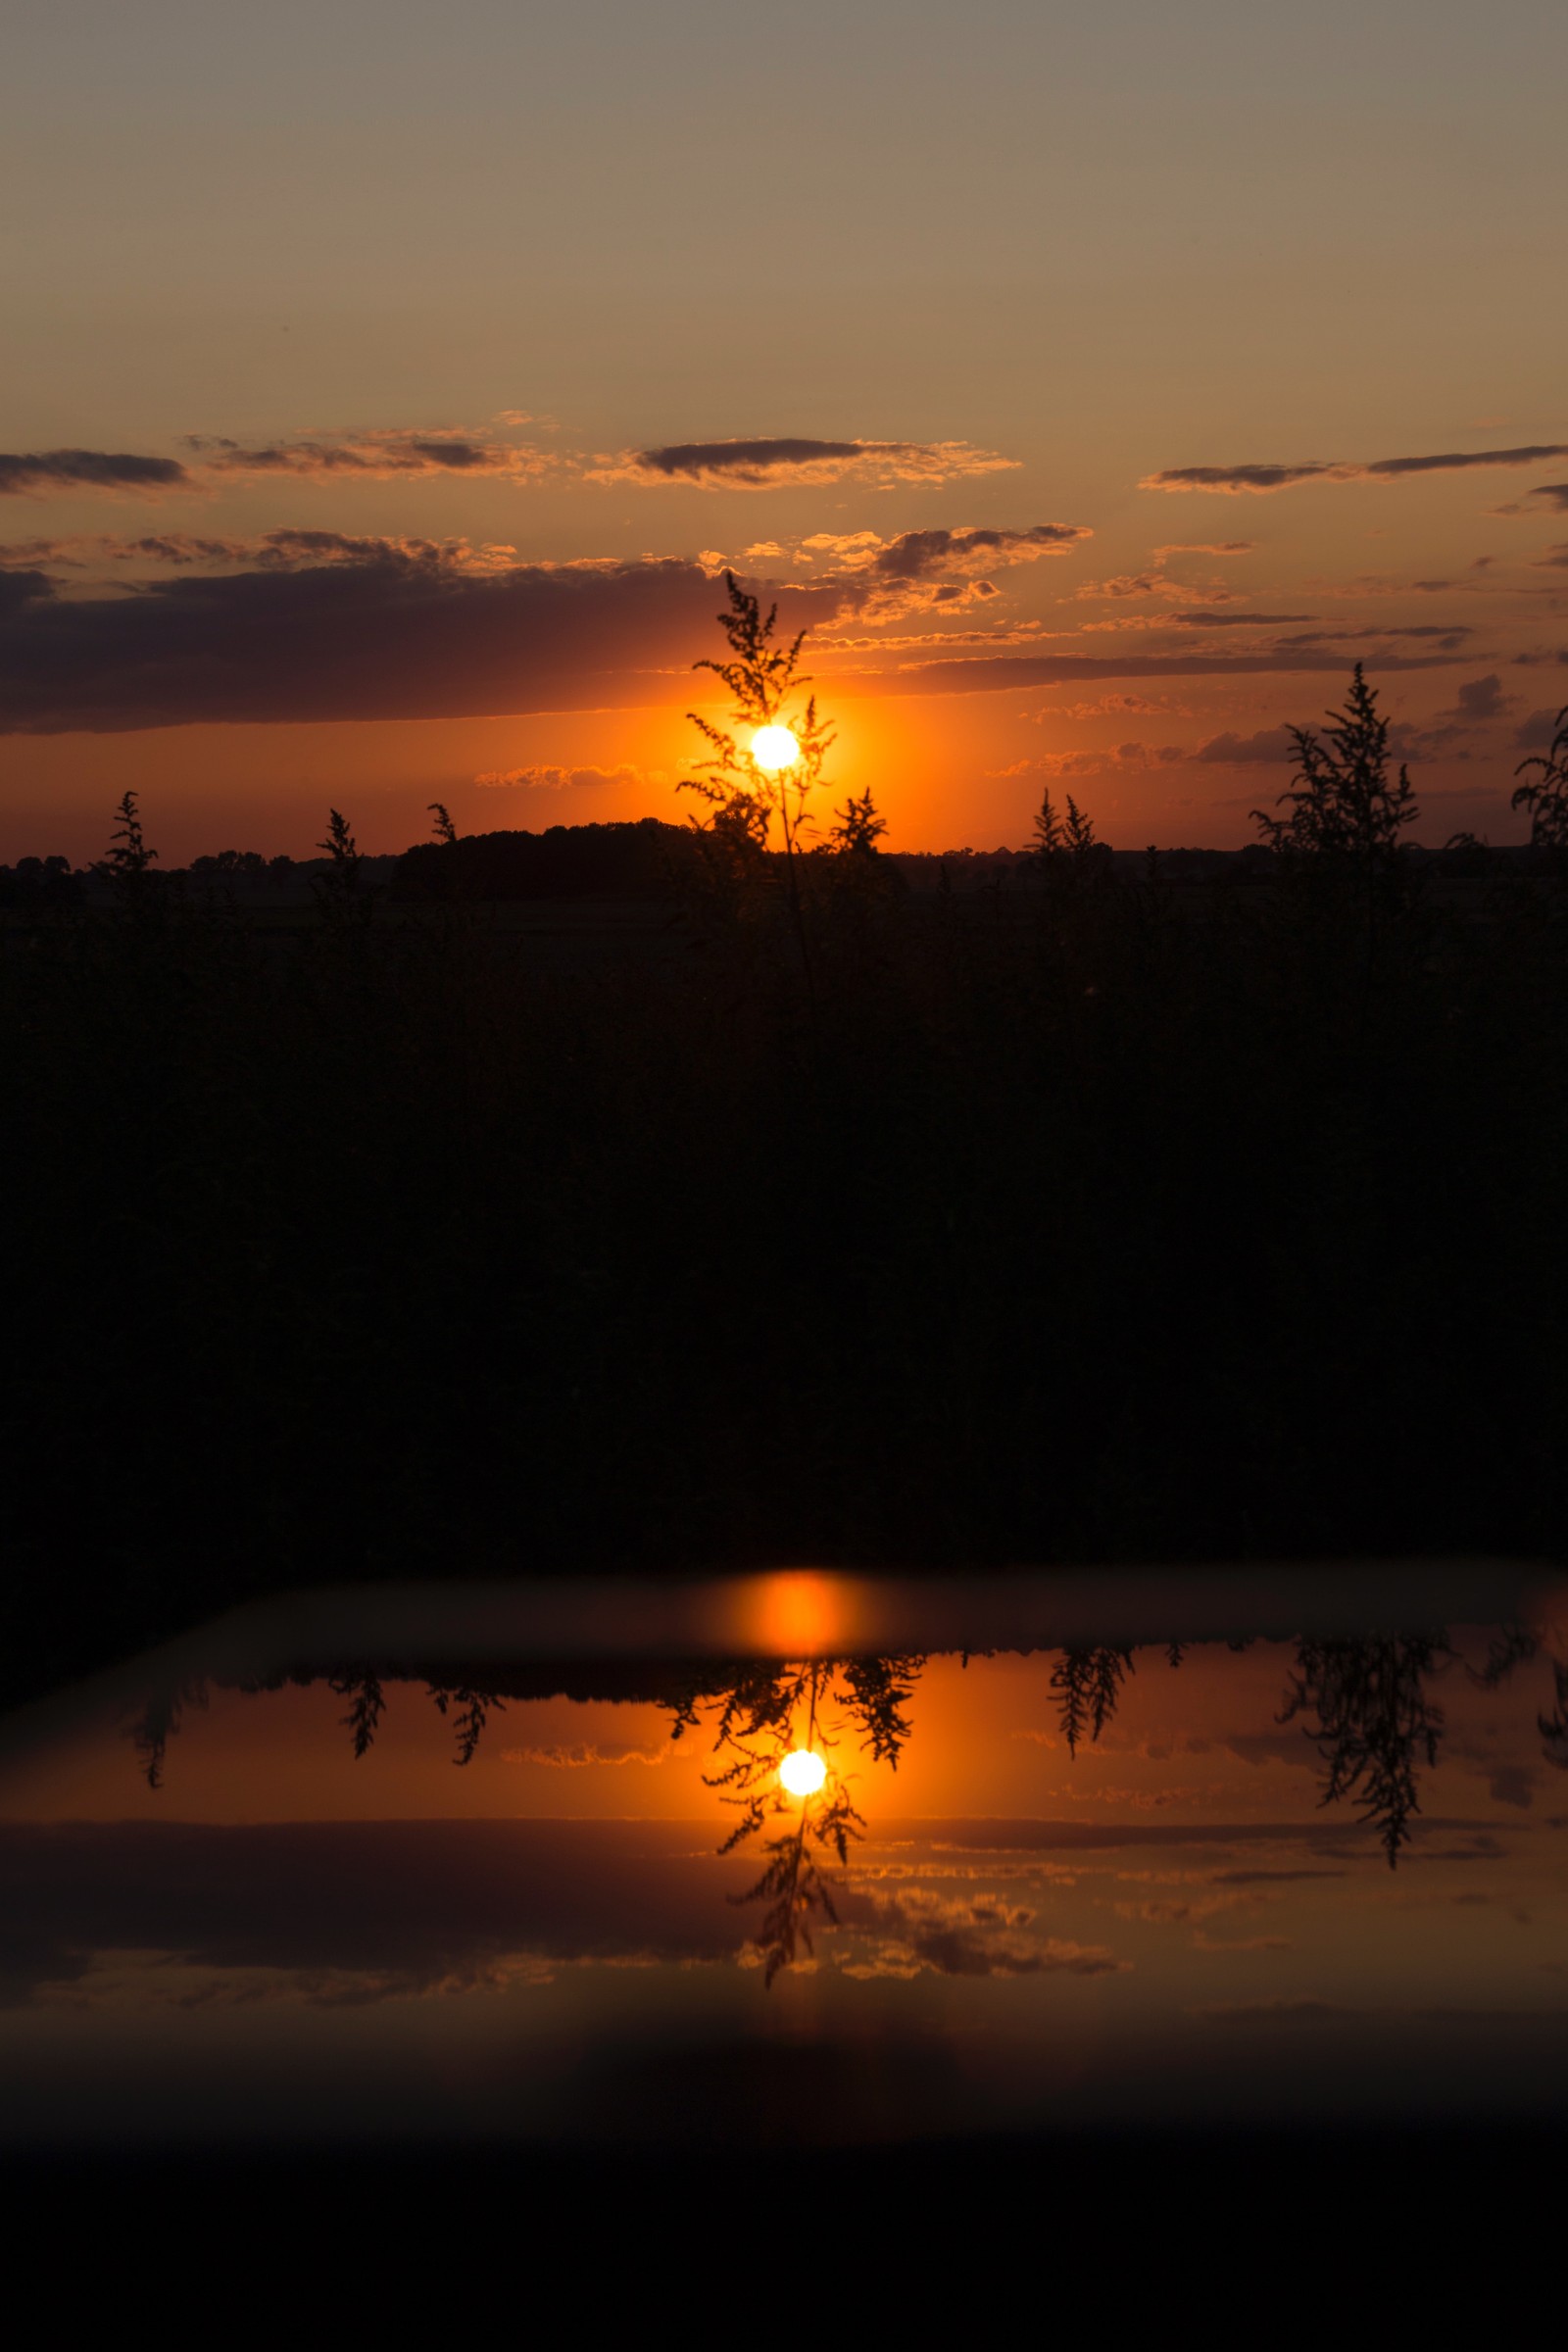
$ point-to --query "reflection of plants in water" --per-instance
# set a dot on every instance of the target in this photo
(1088, 1684)
(472, 1713)
(158, 1723)
(1364, 1703)
(768, 1712)
(1373, 1722)
(367, 1704)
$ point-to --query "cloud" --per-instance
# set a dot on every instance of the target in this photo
(980, 674)
(1158, 580)
(1277, 2013)
(1438, 633)
(960, 1952)
(1153, 584)
(1262, 479)
(1246, 751)
(400, 1908)
(1108, 706)
(1554, 495)
(1234, 620)
(1514, 1784)
(1536, 732)
(939, 571)
(377, 628)
(558, 779)
(1269, 1877)
(287, 548)
(55, 470)
(927, 570)
(1480, 700)
(382, 453)
(21, 588)
(968, 1936)
(394, 635)
(772, 464)
(1127, 759)
(582, 1752)
(1555, 557)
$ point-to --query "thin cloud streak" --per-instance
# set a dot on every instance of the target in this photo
(1262, 479)
(380, 454)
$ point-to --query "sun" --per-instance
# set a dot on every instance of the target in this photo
(774, 749)
(802, 1773)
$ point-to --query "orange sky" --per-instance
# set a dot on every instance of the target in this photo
(379, 437)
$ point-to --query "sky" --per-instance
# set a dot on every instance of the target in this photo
(388, 388)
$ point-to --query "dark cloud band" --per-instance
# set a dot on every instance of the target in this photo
(406, 635)
(779, 462)
(46, 469)
(393, 637)
(1261, 479)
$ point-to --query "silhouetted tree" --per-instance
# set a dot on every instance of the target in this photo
(1344, 805)
(859, 829)
(337, 890)
(1061, 840)
(1546, 796)
(443, 829)
(127, 861)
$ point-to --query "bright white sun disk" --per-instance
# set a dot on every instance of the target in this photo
(773, 748)
(802, 1773)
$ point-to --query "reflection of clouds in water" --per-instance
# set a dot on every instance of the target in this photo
(1277, 2013)
(574, 1757)
(379, 1909)
(1029, 1874)
(952, 1953)
(918, 1930)
(1183, 1914)
(1144, 1800)
(158, 1981)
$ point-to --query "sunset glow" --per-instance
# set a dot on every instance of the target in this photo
(774, 749)
(803, 1772)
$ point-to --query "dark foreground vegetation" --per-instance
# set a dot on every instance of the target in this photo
(1069, 1218)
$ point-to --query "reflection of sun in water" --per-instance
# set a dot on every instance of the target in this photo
(802, 1773)
(773, 748)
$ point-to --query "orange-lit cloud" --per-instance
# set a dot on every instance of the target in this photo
(382, 453)
(772, 464)
(882, 579)
(287, 548)
(561, 779)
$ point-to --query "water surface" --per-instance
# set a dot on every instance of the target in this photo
(1090, 1854)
